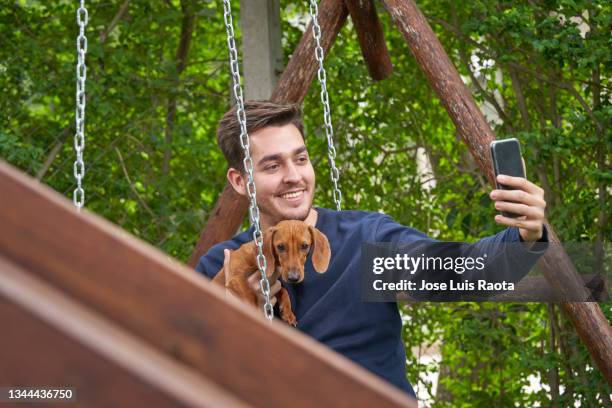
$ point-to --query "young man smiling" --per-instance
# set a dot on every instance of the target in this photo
(328, 306)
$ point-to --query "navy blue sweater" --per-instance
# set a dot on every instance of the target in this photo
(328, 306)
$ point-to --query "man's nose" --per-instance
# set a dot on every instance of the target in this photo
(292, 175)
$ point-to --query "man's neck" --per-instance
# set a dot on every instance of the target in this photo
(311, 218)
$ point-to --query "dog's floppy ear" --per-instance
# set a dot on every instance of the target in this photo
(268, 250)
(320, 250)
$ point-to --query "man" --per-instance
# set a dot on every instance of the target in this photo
(327, 306)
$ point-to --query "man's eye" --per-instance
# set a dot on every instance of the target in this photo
(272, 167)
(303, 159)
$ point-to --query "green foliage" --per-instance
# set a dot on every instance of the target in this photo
(546, 64)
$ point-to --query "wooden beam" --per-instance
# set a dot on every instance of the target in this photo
(100, 362)
(371, 38)
(590, 323)
(292, 88)
(174, 310)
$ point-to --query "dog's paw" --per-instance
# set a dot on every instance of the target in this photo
(288, 317)
(291, 322)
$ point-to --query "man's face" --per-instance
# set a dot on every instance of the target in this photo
(283, 174)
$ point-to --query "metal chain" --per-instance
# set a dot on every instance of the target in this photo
(248, 161)
(78, 196)
(329, 130)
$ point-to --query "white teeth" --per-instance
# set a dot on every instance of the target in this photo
(292, 195)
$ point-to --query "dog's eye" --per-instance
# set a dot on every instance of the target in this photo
(304, 246)
(280, 247)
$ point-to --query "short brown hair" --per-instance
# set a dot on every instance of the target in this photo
(259, 114)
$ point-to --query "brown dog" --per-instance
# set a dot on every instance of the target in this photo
(285, 246)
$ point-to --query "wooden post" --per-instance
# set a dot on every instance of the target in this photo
(588, 319)
(262, 50)
(371, 38)
(86, 281)
(292, 87)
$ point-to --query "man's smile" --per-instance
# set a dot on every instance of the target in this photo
(293, 195)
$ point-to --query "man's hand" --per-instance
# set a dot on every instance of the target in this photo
(527, 201)
(253, 282)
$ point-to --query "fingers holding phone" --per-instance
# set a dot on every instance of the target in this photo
(521, 202)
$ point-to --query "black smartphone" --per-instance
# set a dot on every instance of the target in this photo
(506, 158)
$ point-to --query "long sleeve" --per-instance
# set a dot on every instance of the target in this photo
(503, 257)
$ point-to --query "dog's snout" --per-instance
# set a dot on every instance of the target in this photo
(293, 276)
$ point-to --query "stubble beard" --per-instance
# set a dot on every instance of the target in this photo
(277, 217)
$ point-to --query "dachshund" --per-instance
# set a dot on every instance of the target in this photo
(285, 247)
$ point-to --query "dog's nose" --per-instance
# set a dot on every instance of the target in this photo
(293, 276)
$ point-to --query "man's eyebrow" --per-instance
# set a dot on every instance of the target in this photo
(272, 157)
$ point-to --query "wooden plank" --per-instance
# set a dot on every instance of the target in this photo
(56, 342)
(173, 309)
(371, 38)
(292, 88)
(588, 319)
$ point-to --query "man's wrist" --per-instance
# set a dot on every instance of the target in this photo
(532, 240)
(538, 244)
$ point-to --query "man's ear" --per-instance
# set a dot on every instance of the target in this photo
(320, 250)
(237, 180)
(268, 250)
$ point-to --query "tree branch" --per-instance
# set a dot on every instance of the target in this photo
(114, 21)
(187, 27)
(490, 98)
(492, 54)
(54, 152)
(133, 189)
(520, 99)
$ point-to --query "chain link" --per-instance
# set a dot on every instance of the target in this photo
(78, 196)
(248, 161)
(329, 130)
